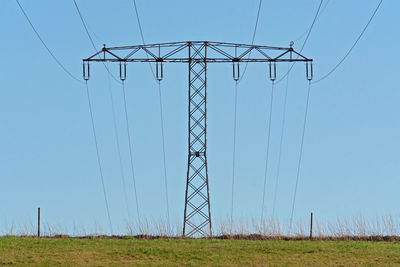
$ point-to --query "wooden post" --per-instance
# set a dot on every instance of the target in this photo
(311, 224)
(38, 225)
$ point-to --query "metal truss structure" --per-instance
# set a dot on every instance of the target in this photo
(197, 54)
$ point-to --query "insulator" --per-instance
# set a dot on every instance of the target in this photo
(236, 71)
(159, 71)
(86, 72)
(309, 71)
(272, 71)
(122, 71)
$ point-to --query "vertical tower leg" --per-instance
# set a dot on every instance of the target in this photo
(197, 215)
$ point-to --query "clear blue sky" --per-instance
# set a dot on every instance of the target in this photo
(351, 162)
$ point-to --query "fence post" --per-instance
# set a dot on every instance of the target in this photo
(38, 225)
(311, 225)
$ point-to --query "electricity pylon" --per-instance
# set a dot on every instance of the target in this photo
(197, 54)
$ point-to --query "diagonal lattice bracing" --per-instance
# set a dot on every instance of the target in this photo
(197, 217)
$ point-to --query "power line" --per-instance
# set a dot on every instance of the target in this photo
(130, 150)
(300, 156)
(255, 27)
(319, 15)
(118, 146)
(112, 107)
(138, 21)
(280, 145)
(305, 41)
(235, 110)
(97, 38)
(267, 156)
(142, 36)
(47, 48)
(235, 113)
(254, 36)
(91, 40)
(354, 44)
(163, 148)
(234, 151)
(161, 111)
(98, 156)
(84, 25)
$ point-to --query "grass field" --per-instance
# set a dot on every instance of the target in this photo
(28, 251)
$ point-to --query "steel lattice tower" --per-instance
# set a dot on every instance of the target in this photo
(197, 212)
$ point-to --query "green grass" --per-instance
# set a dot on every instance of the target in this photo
(28, 251)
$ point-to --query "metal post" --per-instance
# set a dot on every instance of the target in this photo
(311, 225)
(187, 174)
(38, 224)
(197, 214)
(205, 135)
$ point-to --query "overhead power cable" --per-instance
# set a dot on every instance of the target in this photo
(142, 36)
(98, 157)
(267, 151)
(352, 47)
(161, 111)
(118, 145)
(253, 38)
(319, 15)
(91, 41)
(280, 145)
(305, 41)
(235, 116)
(130, 151)
(47, 48)
(234, 151)
(138, 21)
(163, 149)
(112, 108)
(300, 156)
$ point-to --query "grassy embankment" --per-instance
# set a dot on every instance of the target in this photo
(30, 251)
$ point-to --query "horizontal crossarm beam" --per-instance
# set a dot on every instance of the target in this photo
(177, 53)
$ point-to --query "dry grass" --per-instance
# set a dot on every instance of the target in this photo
(357, 227)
